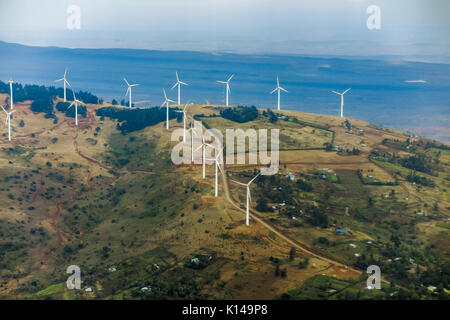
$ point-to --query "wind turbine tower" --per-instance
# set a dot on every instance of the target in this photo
(279, 89)
(166, 102)
(249, 199)
(217, 163)
(75, 103)
(179, 83)
(11, 90)
(8, 121)
(64, 80)
(227, 90)
(342, 100)
(184, 120)
(129, 90)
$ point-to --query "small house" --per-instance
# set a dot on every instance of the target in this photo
(290, 176)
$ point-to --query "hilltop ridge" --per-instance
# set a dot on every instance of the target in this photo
(109, 200)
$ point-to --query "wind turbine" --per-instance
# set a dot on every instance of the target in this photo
(216, 159)
(129, 90)
(11, 90)
(227, 83)
(8, 121)
(247, 218)
(179, 83)
(342, 100)
(184, 121)
(193, 132)
(75, 102)
(203, 146)
(64, 80)
(279, 89)
(166, 102)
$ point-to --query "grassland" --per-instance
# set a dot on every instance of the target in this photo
(116, 206)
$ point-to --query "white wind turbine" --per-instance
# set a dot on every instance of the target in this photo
(64, 80)
(166, 102)
(193, 133)
(179, 83)
(75, 103)
(278, 88)
(129, 90)
(203, 146)
(247, 218)
(8, 121)
(11, 90)
(227, 83)
(184, 120)
(217, 162)
(342, 100)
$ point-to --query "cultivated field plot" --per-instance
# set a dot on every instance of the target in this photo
(292, 136)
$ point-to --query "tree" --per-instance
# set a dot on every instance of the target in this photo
(328, 146)
(292, 253)
(272, 116)
(240, 114)
(261, 204)
(303, 264)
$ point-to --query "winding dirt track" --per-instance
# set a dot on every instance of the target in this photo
(300, 246)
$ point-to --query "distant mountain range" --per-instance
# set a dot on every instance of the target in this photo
(412, 96)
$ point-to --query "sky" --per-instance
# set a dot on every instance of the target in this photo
(416, 29)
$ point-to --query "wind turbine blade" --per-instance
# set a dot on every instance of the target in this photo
(243, 184)
(249, 194)
(127, 92)
(65, 72)
(278, 82)
(210, 145)
(176, 84)
(176, 73)
(70, 105)
(336, 92)
(218, 166)
(274, 90)
(170, 100)
(165, 95)
(254, 178)
(126, 82)
(59, 80)
(198, 147)
(4, 110)
(346, 91)
(184, 83)
(134, 85)
(223, 82)
(219, 153)
(283, 89)
(229, 79)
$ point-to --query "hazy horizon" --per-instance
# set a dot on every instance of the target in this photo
(410, 29)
